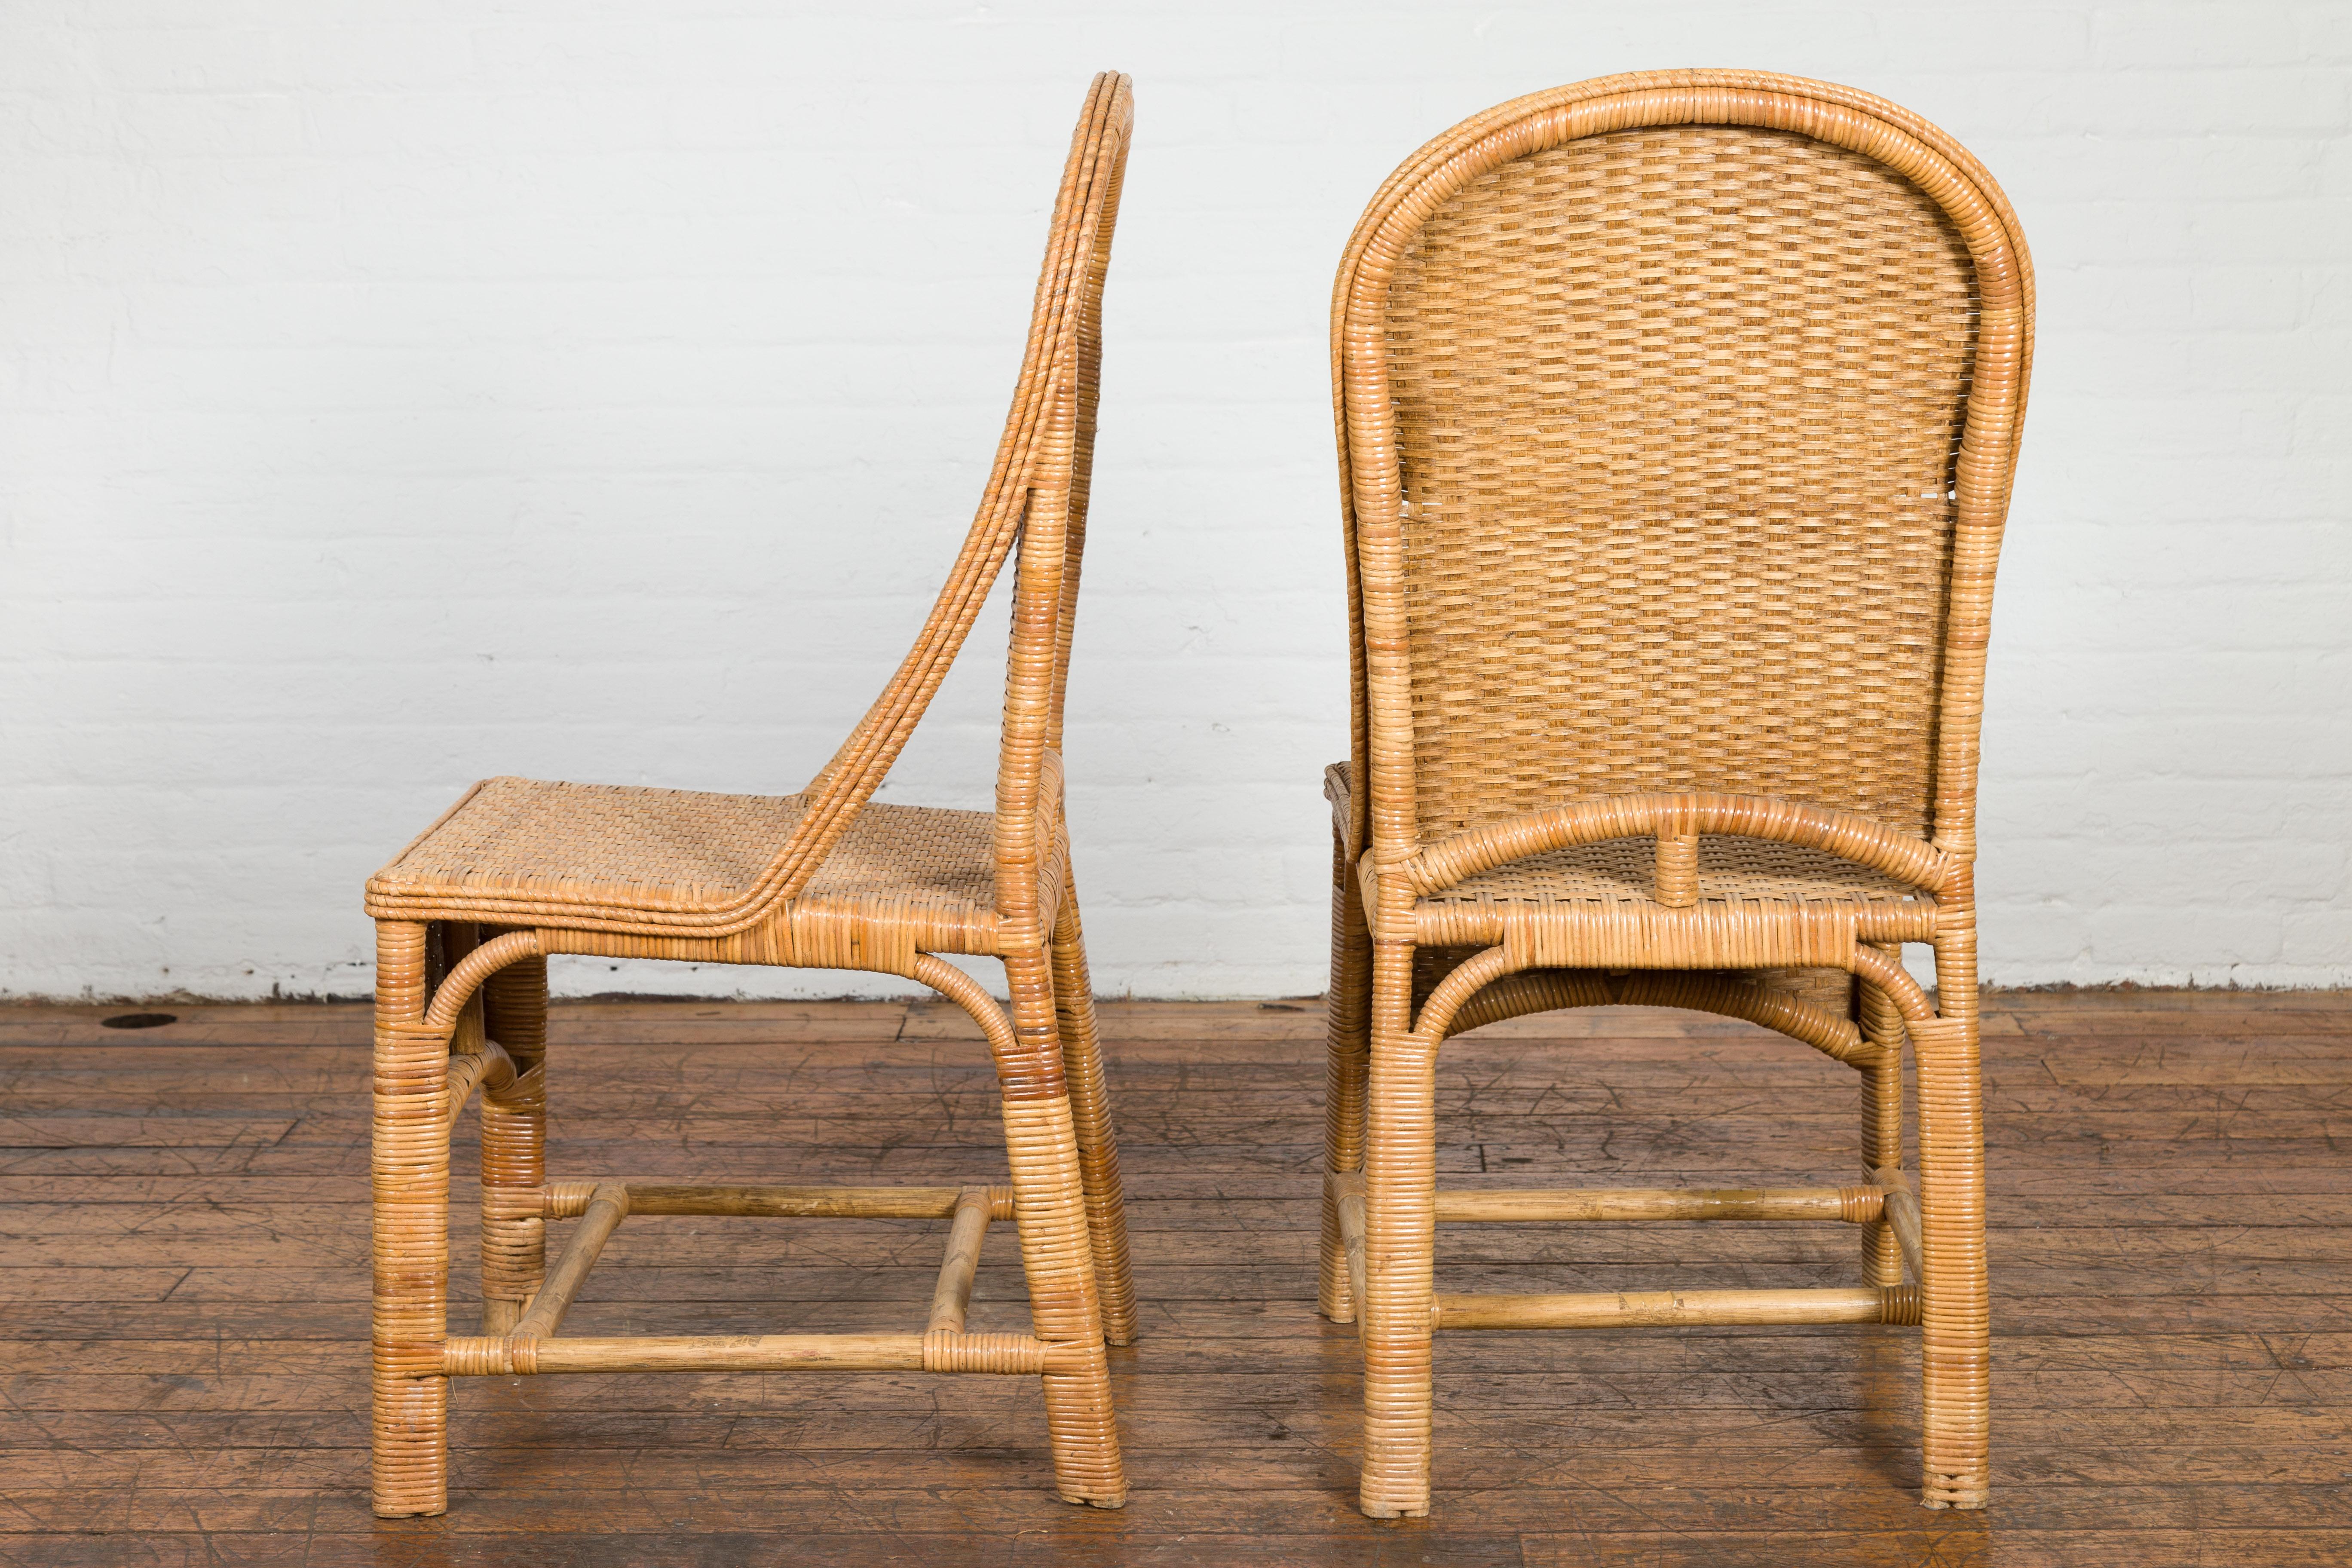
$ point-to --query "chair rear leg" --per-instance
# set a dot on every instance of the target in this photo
(1955, 1299)
(1073, 1011)
(1400, 1233)
(514, 1146)
(1347, 1066)
(409, 1162)
(1056, 1248)
(1881, 1121)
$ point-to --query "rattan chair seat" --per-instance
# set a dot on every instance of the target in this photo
(615, 849)
(1774, 901)
(1748, 871)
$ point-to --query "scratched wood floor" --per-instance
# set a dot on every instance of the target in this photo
(185, 1296)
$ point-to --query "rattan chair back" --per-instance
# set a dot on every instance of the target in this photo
(1036, 502)
(1678, 421)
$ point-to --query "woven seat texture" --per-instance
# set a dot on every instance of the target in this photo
(1731, 872)
(618, 847)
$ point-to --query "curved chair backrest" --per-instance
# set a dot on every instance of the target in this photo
(1037, 498)
(1677, 412)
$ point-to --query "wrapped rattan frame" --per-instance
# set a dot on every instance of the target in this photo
(461, 993)
(1386, 1030)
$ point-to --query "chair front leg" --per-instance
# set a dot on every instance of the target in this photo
(1347, 1066)
(1882, 1119)
(1955, 1318)
(1400, 1237)
(409, 1170)
(1056, 1248)
(1073, 1009)
(514, 1146)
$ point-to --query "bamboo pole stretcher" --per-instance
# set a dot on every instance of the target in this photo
(606, 1211)
(1854, 1206)
(952, 1297)
(1851, 1205)
(565, 1200)
(744, 1352)
(1674, 1308)
(601, 1206)
(938, 1351)
(512, 1356)
(1902, 1216)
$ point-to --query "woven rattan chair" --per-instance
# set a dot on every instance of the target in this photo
(1677, 412)
(518, 869)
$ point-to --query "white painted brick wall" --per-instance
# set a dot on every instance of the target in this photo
(395, 394)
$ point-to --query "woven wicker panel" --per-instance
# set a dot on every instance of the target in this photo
(668, 848)
(1730, 871)
(1830, 990)
(1677, 411)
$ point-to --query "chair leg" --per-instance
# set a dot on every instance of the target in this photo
(514, 1146)
(1057, 1251)
(1074, 1010)
(1881, 1123)
(1347, 1065)
(1955, 1305)
(409, 1162)
(1399, 1233)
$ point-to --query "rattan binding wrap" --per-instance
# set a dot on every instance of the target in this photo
(1677, 417)
(518, 869)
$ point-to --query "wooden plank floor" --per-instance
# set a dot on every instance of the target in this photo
(183, 1300)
